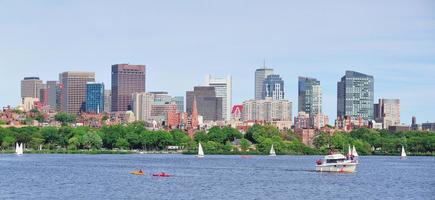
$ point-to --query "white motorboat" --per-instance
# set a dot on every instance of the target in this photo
(336, 163)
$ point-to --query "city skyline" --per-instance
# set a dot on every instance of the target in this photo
(402, 64)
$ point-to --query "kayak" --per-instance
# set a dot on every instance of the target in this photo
(138, 173)
(162, 174)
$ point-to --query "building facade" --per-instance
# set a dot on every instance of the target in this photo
(30, 87)
(209, 106)
(267, 110)
(107, 101)
(74, 90)
(52, 94)
(309, 96)
(126, 80)
(223, 88)
(94, 97)
(273, 87)
(260, 76)
(142, 105)
(387, 112)
(355, 96)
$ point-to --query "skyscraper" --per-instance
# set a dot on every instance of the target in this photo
(260, 76)
(387, 112)
(52, 93)
(208, 104)
(273, 87)
(94, 97)
(223, 88)
(30, 87)
(73, 90)
(309, 96)
(107, 101)
(355, 96)
(126, 80)
(179, 100)
(267, 110)
(141, 105)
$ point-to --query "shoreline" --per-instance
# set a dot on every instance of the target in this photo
(123, 152)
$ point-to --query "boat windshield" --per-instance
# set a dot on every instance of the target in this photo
(334, 160)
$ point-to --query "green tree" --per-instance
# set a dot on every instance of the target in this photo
(322, 140)
(201, 136)
(122, 143)
(8, 141)
(91, 140)
(65, 118)
(244, 144)
(73, 143)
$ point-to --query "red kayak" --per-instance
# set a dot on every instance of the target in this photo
(162, 174)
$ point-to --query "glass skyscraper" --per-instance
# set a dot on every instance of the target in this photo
(355, 96)
(309, 96)
(273, 87)
(260, 76)
(94, 97)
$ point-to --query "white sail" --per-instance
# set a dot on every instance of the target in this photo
(200, 151)
(19, 149)
(354, 153)
(272, 151)
(349, 152)
(403, 154)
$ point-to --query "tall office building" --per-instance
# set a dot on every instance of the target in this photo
(223, 88)
(52, 93)
(30, 87)
(179, 100)
(267, 110)
(73, 90)
(126, 80)
(207, 103)
(141, 105)
(260, 76)
(309, 96)
(273, 87)
(355, 96)
(387, 112)
(107, 101)
(94, 97)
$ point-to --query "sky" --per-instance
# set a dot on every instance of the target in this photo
(182, 41)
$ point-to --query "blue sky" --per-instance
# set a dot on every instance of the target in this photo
(181, 41)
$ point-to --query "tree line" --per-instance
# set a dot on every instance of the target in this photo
(218, 140)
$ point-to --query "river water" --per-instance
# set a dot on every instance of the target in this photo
(213, 177)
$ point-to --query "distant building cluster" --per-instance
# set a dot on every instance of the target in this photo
(210, 104)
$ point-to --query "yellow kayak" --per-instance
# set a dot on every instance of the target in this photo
(138, 173)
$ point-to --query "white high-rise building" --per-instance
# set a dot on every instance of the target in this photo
(267, 110)
(142, 104)
(260, 76)
(223, 88)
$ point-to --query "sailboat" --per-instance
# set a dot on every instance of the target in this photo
(272, 151)
(19, 149)
(349, 152)
(403, 154)
(200, 151)
(354, 153)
